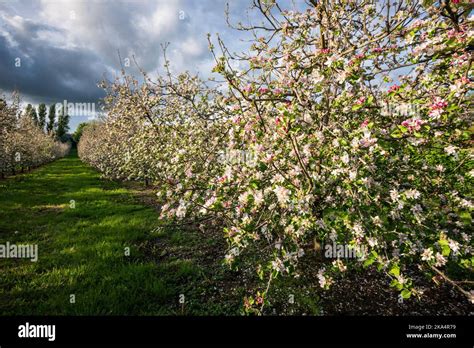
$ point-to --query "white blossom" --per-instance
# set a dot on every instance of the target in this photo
(427, 255)
(450, 150)
(440, 260)
(283, 194)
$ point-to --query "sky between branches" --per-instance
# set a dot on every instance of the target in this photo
(67, 47)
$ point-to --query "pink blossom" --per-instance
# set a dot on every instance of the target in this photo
(413, 124)
(364, 124)
(439, 103)
(417, 23)
(248, 88)
(367, 142)
(457, 34)
(393, 88)
(248, 127)
(263, 90)
(238, 209)
(437, 108)
(360, 101)
(459, 59)
(269, 158)
(452, 33)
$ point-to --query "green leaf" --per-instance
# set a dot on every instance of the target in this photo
(445, 249)
(371, 258)
(396, 284)
(254, 184)
(403, 129)
(406, 294)
(368, 262)
(395, 271)
(452, 107)
(396, 133)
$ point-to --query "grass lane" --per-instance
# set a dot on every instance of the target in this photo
(81, 249)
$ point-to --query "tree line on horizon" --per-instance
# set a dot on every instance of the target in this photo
(50, 121)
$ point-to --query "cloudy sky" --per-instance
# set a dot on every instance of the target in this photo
(52, 50)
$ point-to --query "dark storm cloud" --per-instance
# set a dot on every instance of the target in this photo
(67, 47)
(47, 72)
(43, 72)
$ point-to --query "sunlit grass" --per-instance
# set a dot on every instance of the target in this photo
(81, 246)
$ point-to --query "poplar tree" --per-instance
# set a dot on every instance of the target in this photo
(51, 119)
(42, 116)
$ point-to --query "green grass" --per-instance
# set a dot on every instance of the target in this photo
(81, 249)
(82, 225)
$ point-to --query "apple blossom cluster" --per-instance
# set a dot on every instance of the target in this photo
(168, 133)
(327, 163)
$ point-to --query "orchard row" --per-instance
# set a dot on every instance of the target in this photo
(23, 143)
(297, 148)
